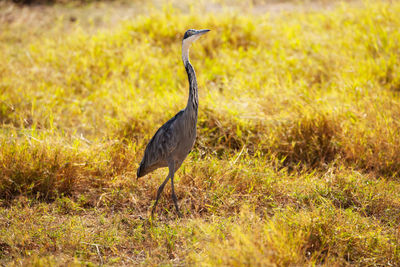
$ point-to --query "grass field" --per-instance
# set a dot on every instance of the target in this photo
(297, 160)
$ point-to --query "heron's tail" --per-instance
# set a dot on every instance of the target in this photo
(140, 171)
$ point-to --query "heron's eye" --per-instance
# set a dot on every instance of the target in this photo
(189, 33)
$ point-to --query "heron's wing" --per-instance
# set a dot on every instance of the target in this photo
(160, 146)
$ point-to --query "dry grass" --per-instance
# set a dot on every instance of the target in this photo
(297, 156)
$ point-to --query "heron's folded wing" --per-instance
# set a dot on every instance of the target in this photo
(163, 142)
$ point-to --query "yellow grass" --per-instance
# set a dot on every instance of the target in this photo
(297, 160)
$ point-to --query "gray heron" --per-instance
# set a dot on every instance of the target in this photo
(174, 140)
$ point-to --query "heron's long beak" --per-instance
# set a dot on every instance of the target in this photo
(201, 32)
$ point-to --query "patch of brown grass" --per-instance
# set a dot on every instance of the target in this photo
(312, 142)
(37, 170)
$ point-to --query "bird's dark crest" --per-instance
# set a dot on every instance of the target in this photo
(189, 33)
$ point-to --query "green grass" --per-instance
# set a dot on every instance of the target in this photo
(297, 160)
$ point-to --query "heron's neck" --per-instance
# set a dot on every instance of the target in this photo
(193, 100)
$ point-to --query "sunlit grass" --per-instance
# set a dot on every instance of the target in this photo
(297, 159)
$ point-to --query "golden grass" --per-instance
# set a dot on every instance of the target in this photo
(297, 156)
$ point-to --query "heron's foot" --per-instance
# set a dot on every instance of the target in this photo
(177, 210)
(152, 211)
(174, 198)
(179, 213)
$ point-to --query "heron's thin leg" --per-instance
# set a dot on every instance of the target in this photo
(160, 189)
(171, 166)
(174, 196)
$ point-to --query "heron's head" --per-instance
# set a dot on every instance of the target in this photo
(189, 37)
(192, 35)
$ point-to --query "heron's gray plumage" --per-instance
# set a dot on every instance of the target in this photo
(174, 140)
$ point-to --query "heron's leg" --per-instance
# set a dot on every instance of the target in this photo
(174, 197)
(160, 189)
(171, 166)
